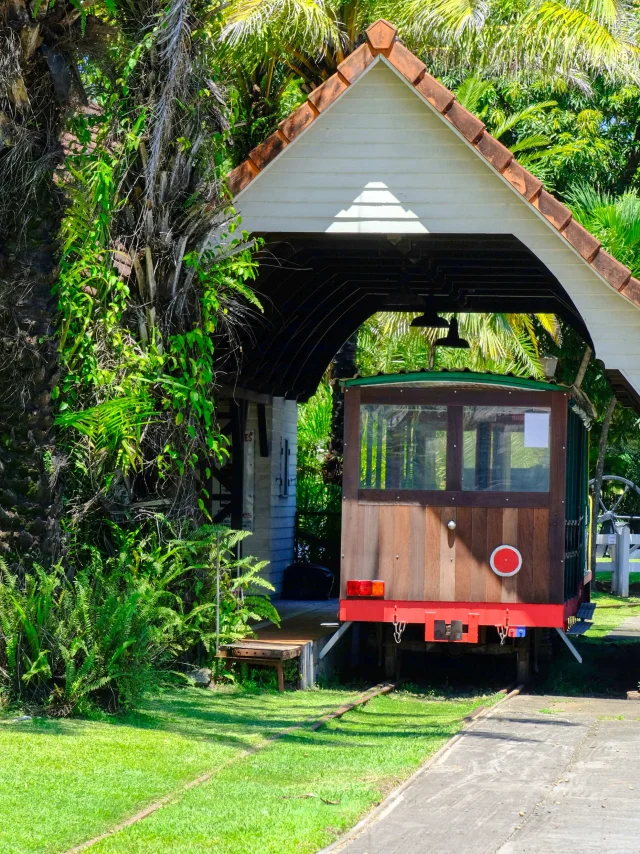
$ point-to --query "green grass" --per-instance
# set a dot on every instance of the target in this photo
(610, 666)
(606, 618)
(256, 805)
(634, 582)
(62, 782)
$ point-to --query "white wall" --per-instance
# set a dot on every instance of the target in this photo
(381, 160)
(274, 523)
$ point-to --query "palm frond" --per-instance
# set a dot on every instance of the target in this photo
(471, 92)
(453, 18)
(529, 112)
(596, 35)
(302, 22)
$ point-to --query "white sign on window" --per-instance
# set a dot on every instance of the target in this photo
(536, 429)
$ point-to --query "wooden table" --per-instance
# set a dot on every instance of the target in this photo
(267, 654)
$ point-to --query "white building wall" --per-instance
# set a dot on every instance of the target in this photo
(381, 160)
(274, 513)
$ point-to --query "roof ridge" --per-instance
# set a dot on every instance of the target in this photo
(382, 41)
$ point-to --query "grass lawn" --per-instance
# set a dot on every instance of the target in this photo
(607, 618)
(259, 804)
(62, 782)
(610, 667)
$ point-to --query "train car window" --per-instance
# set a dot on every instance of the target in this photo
(403, 447)
(506, 449)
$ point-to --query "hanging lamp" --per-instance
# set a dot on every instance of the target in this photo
(452, 338)
(430, 319)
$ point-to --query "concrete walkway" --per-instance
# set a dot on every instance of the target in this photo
(629, 629)
(539, 775)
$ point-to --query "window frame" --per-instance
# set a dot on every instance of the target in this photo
(455, 399)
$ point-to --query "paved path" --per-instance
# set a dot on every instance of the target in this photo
(629, 629)
(540, 775)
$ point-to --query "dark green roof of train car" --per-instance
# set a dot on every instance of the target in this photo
(463, 376)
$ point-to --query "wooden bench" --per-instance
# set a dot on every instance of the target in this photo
(267, 654)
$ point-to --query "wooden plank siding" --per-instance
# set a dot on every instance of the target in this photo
(414, 553)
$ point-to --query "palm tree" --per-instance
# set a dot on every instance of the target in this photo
(38, 84)
(501, 343)
(262, 102)
(556, 39)
(146, 294)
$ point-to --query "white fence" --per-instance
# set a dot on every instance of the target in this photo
(622, 545)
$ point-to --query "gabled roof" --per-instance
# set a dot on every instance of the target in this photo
(382, 40)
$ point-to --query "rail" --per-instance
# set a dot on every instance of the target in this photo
(623, 545)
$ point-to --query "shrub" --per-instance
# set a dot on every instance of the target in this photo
(106, 627)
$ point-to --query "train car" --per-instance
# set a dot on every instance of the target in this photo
(465, 509)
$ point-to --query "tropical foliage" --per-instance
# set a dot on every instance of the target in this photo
(548, 38)
(125, 287)
(387, 343)
(110, 629)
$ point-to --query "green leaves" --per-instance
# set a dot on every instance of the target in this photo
(614, 220)
(501, 343)
(115, 426)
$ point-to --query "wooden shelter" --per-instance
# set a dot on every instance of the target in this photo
(378, 193)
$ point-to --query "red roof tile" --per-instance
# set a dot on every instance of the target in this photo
(242, 175)
(381, 35)
(356, 62)
(522, 181)
(613, 271)
(325, 95)
(436, 94)
(269, 149)
(558, 214)
(632, 290)
(298, 120)
(581, 240)
(406, 62)
(381, 39)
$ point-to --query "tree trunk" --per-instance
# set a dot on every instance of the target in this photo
(597, 483)
(584, 364)
(36, 79)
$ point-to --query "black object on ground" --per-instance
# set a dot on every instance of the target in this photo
(307, 581)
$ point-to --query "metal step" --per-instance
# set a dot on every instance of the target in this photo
(579, 628)
(586, 610)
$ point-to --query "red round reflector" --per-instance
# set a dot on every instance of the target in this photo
(505, 561)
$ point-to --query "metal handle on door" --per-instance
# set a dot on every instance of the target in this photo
(451, 525)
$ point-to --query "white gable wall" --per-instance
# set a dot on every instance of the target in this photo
(381, 160)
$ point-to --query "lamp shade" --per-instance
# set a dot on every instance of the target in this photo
(430, 319)
(452, 338)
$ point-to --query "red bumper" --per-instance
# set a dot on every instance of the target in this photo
(472, 614)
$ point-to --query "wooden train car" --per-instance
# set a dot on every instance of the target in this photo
(465, 505)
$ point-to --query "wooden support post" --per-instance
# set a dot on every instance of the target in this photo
(306, 667)
(355, 646)
(523, 665)
(280, 676)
